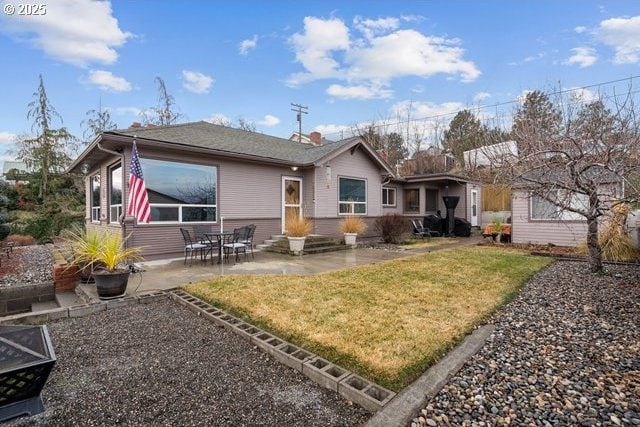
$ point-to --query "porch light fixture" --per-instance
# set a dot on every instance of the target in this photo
(84, 168)
(294, 168)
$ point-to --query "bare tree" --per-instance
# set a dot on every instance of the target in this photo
(97, 121)
(574, 159)
(166, 112)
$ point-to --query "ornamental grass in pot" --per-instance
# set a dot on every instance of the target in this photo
(350, 226)
(298, 228)
(112, 257)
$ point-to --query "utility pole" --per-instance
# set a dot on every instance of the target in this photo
(299, 110)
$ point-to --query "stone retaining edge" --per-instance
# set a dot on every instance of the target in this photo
(80, 310)
(407, 404)
(329, 375)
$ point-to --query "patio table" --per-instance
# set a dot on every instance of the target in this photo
(219, 236)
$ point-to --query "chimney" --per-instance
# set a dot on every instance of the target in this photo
(316, 138)
(135, 125)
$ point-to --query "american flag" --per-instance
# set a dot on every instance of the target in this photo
(138, 205)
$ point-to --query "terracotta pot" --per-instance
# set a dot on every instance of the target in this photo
(111, 284)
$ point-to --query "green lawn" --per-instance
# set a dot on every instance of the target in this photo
(428, 243)
(388, 321)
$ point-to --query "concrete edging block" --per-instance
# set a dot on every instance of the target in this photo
(365, 393)
(292, 355)
(246, 330)
(86, 309)
(324, 372)
(121, 302)
(151, 296)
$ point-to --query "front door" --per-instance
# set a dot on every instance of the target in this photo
(291, 199)
(474, 208)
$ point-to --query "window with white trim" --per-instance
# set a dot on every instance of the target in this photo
(115, 192)
(388, 196)
(352, 196)
(95, 198)
(180, 192)
(545, 209)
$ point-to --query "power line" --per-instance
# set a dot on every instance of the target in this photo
(501, 104)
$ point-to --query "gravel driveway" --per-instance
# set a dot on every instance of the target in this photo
(160, 364)
(566, 351)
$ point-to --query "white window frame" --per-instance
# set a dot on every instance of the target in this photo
(395, 197)
(351, 209)
(95, 210)
(118, 207)
(562, 214)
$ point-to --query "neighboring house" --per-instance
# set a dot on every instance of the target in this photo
(537, 220)
(200, 173)
(490, 155)
(17, 169)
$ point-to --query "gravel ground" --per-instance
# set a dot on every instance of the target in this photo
(566, 351)
(160, 364)
(27, 265)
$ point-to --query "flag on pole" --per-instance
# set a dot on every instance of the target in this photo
(138, 205)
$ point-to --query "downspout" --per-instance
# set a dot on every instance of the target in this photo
(122, 160)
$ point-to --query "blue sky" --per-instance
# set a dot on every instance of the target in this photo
(349, 62)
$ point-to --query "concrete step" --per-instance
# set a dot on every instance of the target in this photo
(44, 305)
(67, 299)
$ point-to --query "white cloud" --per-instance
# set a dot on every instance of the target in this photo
(125, 111)
(196, 82)
(425, 109)
(481, 96)
(582, 56)
(372, 27)
(7, 138)
(623, 35)
(334, 132)
(269, 120)
(79, 32)
(219, 119)
(314, 47)
(582, 95)
(326, 50)
(580, 29)
(105, 80)
(246, 45)
(523, 96)
(358, 92)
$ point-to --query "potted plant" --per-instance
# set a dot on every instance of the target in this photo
(298, 228)
(350, 226)
(496, 224)
(111, 279)
(87, 242)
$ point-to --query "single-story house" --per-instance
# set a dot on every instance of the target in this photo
(535, 219)
(205, 174)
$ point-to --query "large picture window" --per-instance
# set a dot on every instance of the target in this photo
(115, 192)
(388, 196)
(412, 200)
(545, 209)
(95, 198)
(180, 192)
(353, 196)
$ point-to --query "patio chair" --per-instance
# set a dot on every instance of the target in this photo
(200, 236)
(234, 244)
(420, 231)
(251, 228)
(192, 248)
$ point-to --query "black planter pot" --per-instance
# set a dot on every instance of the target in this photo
(111, 284)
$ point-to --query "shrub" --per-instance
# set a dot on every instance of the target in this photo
(352, 224)
(298, 226)
(391, 227)
(20, 239)
(614, 241)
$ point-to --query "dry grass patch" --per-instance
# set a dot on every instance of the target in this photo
(434, 241)
(386, 321)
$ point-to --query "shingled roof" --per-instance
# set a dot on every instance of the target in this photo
(234, 141)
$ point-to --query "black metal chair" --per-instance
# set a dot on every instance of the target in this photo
(190, 247)
(420, 231)
(234, 245)
(251, 228)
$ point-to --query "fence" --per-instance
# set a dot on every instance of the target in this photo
(496, 197)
